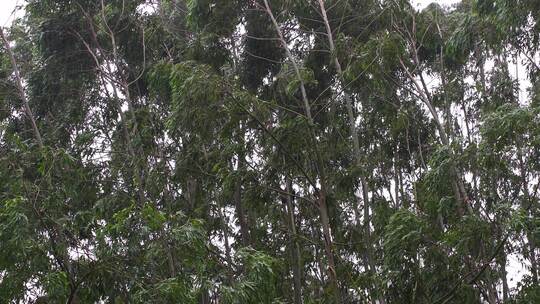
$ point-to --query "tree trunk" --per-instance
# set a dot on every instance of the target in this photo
(328, 246)
(20, 89)
(296, 259)
(237, 197)
(320, 193)
(355, 140)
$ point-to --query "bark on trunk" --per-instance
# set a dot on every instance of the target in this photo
(328, 247)
(237, 197)
(296, 259)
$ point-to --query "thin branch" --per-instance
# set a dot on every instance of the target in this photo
(20, 88)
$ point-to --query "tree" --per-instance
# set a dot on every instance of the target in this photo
(269, 151)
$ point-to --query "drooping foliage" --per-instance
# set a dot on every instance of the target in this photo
(270, 151)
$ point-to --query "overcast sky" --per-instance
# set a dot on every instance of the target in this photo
(6, 10)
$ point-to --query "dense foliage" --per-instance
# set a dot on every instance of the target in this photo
(270, 151)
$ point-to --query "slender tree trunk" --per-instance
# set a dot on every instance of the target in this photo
(243, 218)
(237, 196)
(319, 289)
(205, 297)
(20, 88)
(328, 245)
(320, 193)
(296, 259)
(504, 277)
(240, 212)
(228, 257)
(530, 204)
(355, 141)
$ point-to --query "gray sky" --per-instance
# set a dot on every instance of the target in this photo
(6, 10)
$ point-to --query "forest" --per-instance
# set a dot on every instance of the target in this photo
(270, 151)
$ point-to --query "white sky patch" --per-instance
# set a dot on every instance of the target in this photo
(9, 9)
(147, 8)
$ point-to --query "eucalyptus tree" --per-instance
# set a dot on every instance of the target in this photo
(269, 151)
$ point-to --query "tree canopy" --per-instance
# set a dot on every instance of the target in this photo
(270, 151)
